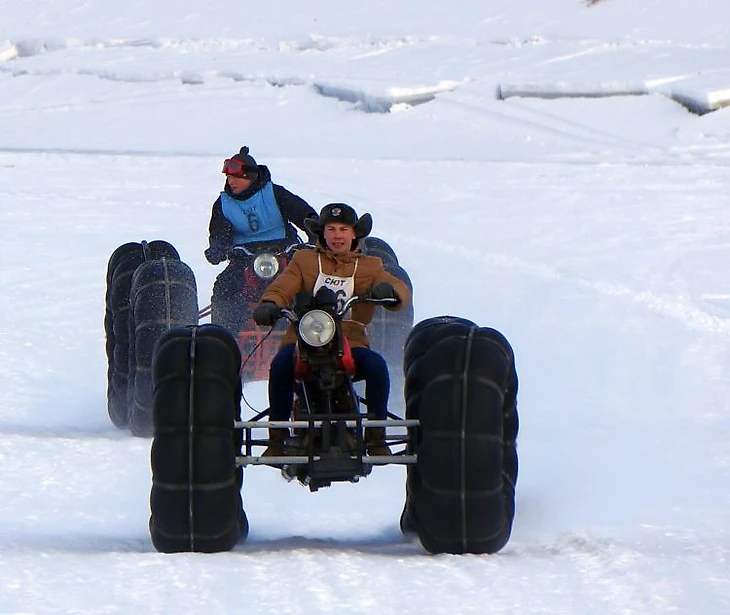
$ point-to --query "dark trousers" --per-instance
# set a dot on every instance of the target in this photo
(369, 365)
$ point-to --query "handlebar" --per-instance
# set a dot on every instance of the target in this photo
(366, 298)
(243, 250)
(293, 317)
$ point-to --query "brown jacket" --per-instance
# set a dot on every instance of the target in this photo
(301, 274)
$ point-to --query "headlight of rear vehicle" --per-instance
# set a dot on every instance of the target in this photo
(317, 328)
(266, 265)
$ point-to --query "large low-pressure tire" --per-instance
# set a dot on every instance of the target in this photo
(375, 246)
(163, 295)
(231, 314)
(388, 332)
(461, 384)
(121, 266)
(195, 500)
(230, 300)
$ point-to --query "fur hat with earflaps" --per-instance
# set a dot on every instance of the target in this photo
(343, 214)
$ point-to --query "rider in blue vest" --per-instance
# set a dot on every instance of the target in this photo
(252, 208)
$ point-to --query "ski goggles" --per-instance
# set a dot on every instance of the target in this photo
(236, 168)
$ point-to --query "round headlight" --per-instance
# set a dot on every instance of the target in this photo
(317, 328)
(266, 265)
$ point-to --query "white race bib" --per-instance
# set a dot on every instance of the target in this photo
(344, 288)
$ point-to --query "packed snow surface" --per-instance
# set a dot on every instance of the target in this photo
(555, 169)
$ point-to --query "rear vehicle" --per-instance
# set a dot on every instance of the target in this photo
(236, 292)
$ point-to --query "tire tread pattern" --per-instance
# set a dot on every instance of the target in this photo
(461, 384)
(163, 295)
(195, 499)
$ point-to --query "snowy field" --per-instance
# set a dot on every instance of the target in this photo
(537, 167)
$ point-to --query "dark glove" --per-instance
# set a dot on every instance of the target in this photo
(266, 314)
(383, 290)
(215, 254)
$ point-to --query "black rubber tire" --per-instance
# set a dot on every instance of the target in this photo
(230, 302)
(461, 384)
(158, 249)
(163, 295)
(120, 268)
(118, 255)
(232, 315)
(429, 331)
(375, 246)
(388, 332)
(195, 500)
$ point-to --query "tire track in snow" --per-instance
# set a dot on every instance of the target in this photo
(677, 309)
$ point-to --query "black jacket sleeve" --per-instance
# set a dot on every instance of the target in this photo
(294, 209)
(220, 229)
